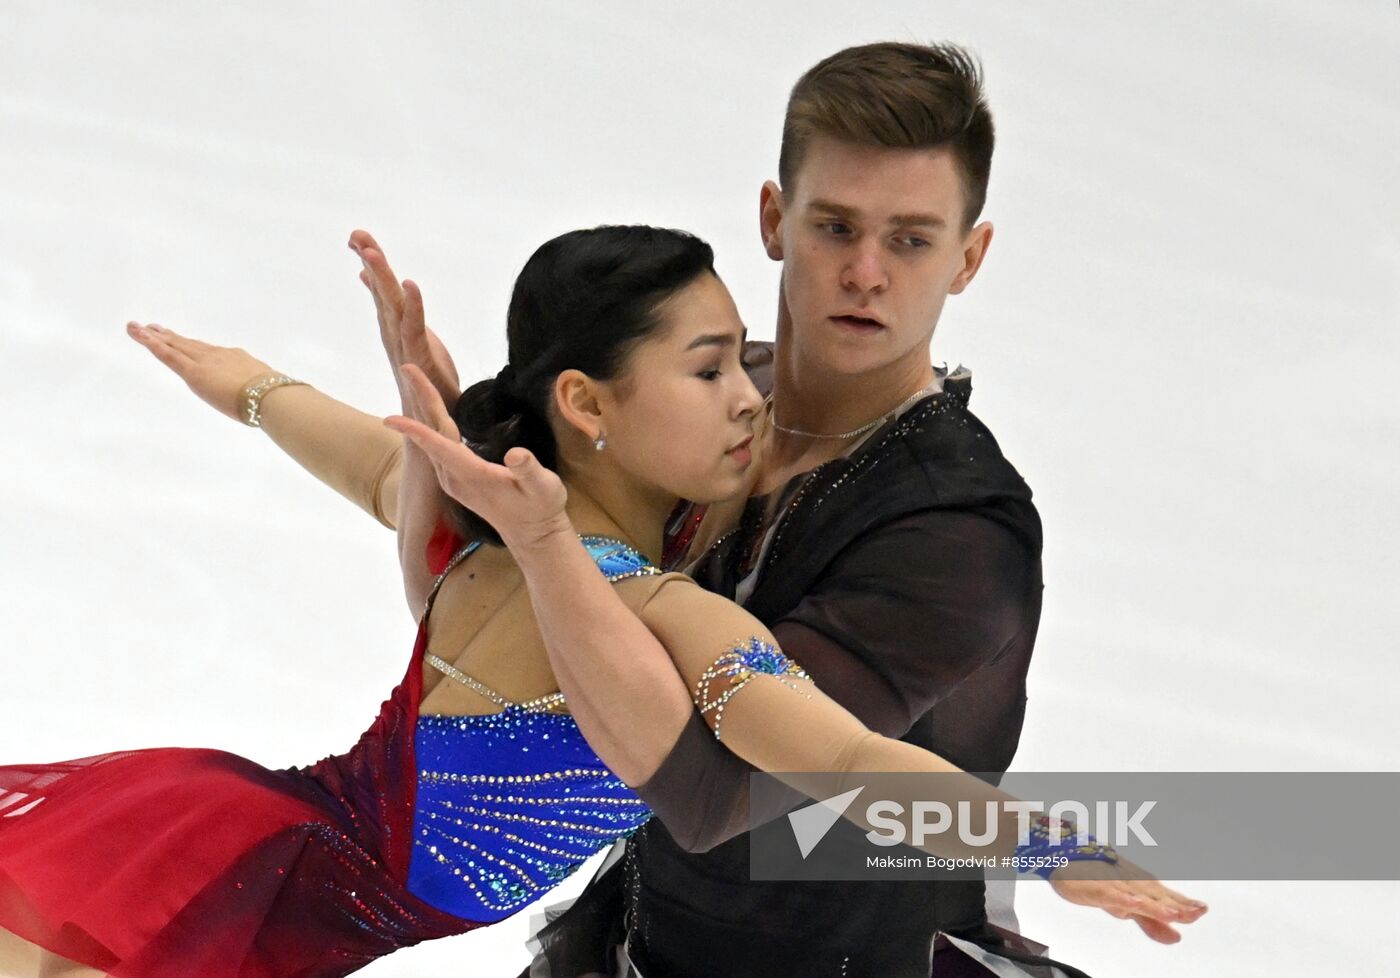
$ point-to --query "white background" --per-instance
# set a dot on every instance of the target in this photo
(1184, 336)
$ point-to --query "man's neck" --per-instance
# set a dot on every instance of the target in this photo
(815, 402)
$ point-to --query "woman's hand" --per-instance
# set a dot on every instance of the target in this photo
(402, 330)
(1128, 892)
(217, 374)
(522, 499)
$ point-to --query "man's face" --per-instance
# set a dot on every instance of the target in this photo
(871, 242)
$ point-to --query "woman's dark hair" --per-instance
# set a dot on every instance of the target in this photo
(582, 302)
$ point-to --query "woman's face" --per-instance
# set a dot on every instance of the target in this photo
(679, 417)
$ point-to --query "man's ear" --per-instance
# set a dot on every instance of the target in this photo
(975, 246)
(576, 399)
(770, 219)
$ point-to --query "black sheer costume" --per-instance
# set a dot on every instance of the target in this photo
(906, 580)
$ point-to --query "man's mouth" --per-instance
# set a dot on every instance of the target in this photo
(858, 322)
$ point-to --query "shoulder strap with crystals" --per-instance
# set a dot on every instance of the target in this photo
(457, 558)
(615, 559)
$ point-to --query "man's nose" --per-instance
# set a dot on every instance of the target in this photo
(865, 271)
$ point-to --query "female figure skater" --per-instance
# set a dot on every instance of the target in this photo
(474, 791)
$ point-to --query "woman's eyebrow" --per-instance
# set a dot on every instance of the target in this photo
(711, 339)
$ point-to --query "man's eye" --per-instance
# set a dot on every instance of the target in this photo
(911, 241)
(835, 227)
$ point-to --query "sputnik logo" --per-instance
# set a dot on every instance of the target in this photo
(811, 824)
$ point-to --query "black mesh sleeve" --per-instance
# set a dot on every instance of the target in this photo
(893, 630)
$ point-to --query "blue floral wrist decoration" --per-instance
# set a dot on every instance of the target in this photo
(1053, 843)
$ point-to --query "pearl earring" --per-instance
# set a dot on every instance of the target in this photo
(601, 442)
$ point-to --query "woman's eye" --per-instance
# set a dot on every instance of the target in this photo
(709, 374)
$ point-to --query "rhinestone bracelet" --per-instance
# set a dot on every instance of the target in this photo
(252, 394)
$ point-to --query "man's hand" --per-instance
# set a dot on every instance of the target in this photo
(522, 499)
(217, 374)
(1129, 893)
(402, 330)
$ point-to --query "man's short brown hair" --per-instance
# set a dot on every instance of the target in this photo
(901, 96)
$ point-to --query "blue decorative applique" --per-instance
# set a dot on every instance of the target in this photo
(734, 670)
(617, 560)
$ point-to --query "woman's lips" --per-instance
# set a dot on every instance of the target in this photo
(741, 452)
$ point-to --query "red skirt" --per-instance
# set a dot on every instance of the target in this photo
(172, 863)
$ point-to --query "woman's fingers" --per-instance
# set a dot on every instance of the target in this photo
(413, 339)
(1154, 907)
(534, 479)
(1158, 931)
(427, 402)
(421, 347)
(402, 326)
(385, 306)
(160, 349)
(433, 444)
(185, 344)
(446, 454)
(1143, 883)
(1190, 906)
(444, 375)
(383, 282)
(1183, 908)
(386, 292)
(360, 238)
(217, 374)
(461, 473)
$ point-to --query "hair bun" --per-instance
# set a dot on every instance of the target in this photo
(506, 395)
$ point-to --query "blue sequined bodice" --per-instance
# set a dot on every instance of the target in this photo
(510, 803)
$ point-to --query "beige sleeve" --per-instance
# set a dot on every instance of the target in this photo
(776, 723)
(348, 450)
(784, 724)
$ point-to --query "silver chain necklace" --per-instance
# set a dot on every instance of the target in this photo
(773, 417)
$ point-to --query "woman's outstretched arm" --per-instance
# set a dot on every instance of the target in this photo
(346, 449)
